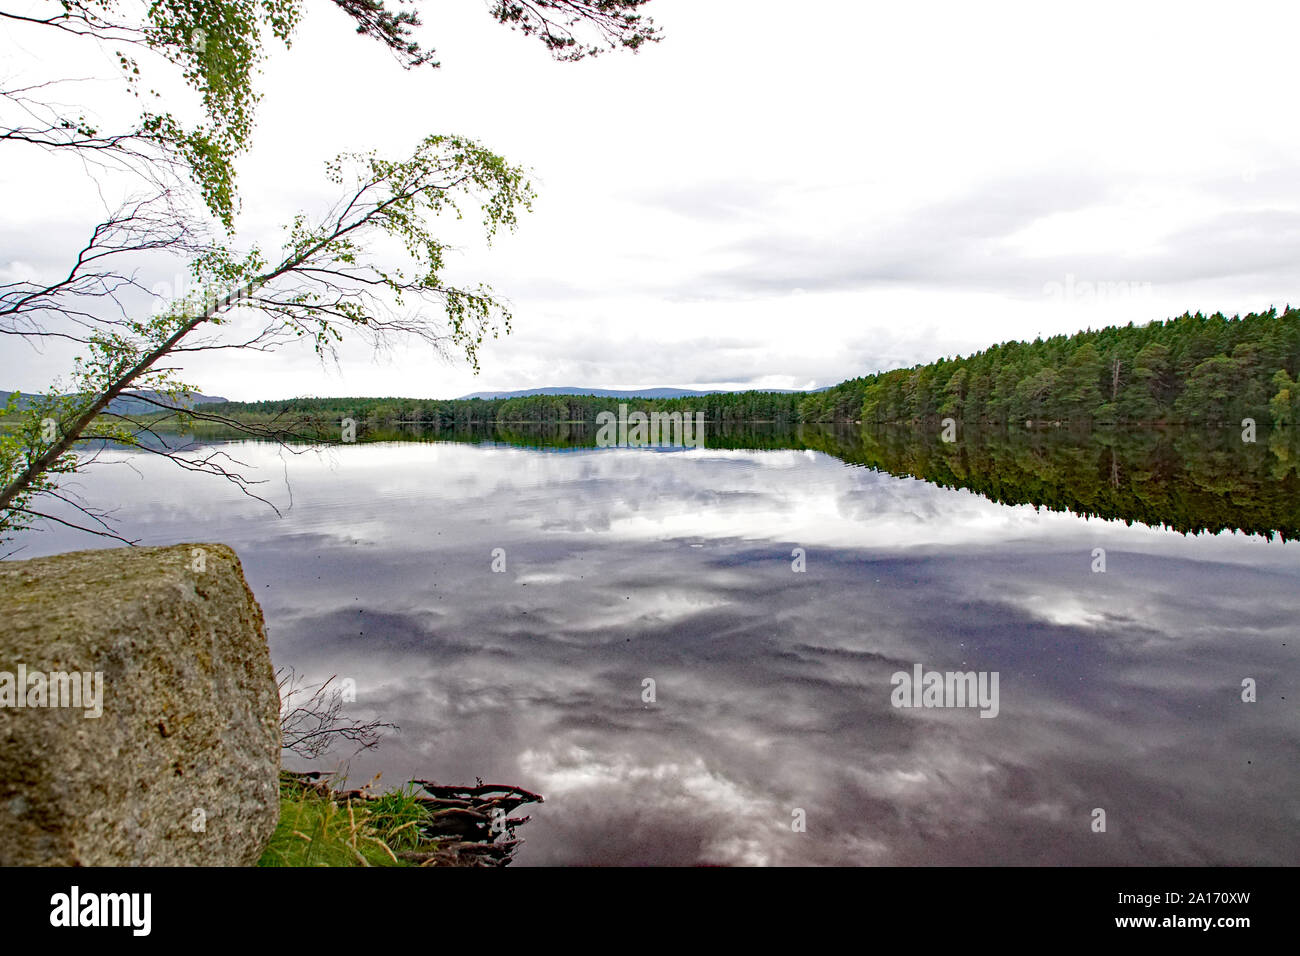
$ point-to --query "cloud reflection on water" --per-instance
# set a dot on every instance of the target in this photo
(1118, 690)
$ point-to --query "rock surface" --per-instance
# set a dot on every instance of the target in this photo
(182, 766)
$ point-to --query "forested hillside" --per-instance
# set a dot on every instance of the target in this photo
(1194, 369)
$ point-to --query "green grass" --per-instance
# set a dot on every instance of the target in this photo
(317, 831)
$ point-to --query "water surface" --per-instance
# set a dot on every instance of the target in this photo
(1119, 690)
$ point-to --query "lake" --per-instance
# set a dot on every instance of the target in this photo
(771, 585)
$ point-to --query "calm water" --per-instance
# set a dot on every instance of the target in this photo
(1118, 690)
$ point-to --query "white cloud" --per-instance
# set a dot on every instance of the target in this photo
(919, 175)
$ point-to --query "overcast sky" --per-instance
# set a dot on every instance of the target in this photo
(778, 194)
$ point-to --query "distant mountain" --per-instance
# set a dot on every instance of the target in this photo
(130, 403)
(618, 393)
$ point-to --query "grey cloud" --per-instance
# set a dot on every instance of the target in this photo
(960, 245)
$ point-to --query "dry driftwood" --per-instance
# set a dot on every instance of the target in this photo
(468, 826)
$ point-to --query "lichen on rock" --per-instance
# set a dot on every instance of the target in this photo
(181, 765)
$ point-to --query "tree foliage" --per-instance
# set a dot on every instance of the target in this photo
(1195, 368)
(216, 47)
(336, 274)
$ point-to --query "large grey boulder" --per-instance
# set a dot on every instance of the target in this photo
(182, 765)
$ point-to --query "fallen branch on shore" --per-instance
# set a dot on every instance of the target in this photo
(460, 826)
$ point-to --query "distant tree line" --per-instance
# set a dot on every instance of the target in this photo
(729, 407)
(1195, 369)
